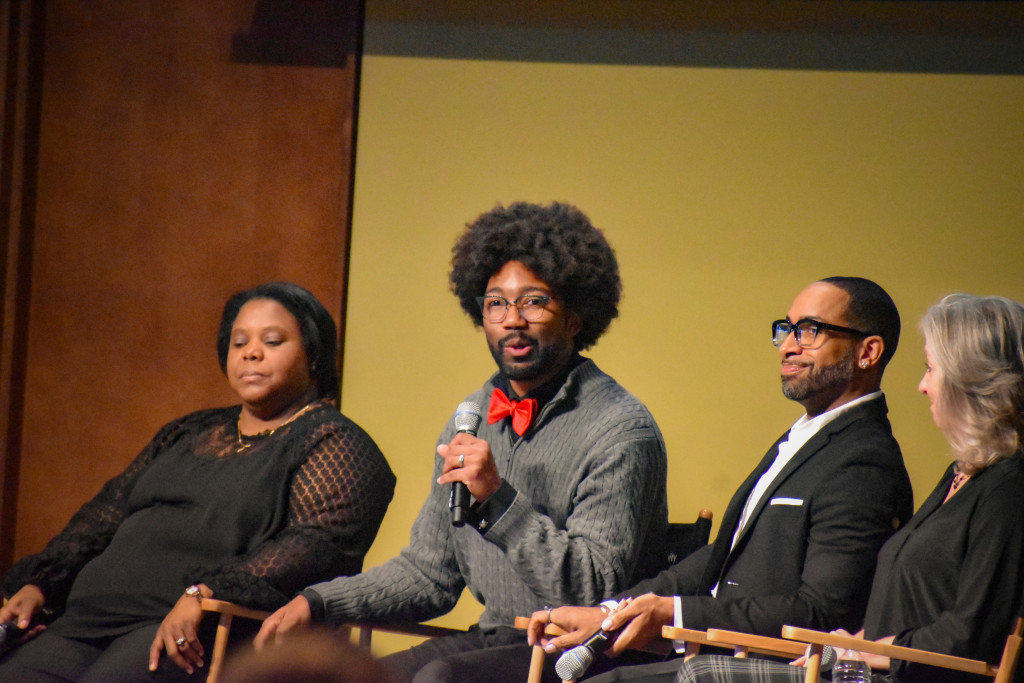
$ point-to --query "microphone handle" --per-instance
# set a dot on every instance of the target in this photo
(459, 503)
(10, 632)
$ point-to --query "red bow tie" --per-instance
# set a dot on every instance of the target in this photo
(521, 411)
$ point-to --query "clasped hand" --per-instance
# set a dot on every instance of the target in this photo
(477, 469)
(638, 621)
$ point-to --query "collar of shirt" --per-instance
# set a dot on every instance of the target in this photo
(545, 392)
(806, 427)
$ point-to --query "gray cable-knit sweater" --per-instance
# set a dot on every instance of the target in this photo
(588, 518)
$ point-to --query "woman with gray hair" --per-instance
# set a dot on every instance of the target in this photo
(950, 580)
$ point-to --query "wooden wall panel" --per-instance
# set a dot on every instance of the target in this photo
(178, 163)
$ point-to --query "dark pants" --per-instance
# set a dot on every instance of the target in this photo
(479, 656)
(49, 658)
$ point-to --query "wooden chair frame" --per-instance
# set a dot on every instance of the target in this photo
(799, 641)
(227, 611)
(1001, 673)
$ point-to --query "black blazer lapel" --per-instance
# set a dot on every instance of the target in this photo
(733, 512)
(807, 451)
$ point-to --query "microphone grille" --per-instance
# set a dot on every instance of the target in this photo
(828, 658)
(574, 663)
(467, 417)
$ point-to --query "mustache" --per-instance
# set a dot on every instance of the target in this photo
(516, 339)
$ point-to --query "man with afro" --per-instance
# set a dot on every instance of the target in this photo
(566, 472)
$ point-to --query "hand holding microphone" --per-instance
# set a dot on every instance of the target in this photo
(10, 632)
(467, 421)
(575, 662)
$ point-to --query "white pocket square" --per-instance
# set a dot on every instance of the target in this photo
(786, 501)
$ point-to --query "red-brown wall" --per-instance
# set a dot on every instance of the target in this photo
(187, 149)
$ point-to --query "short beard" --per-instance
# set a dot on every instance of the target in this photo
(822, 380)
(542, 362)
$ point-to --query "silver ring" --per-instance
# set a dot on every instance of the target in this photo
(181, 642)
(462, 460)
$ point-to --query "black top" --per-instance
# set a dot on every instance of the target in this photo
(256, 524)
(950, 580)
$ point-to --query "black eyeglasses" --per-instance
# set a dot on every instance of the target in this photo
(530, 306)
(806, 331)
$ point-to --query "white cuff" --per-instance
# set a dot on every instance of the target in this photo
(677, 621)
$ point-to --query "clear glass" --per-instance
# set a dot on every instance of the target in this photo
(851, 671)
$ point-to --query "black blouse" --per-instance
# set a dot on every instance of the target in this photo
(255, 524)
(950, 580)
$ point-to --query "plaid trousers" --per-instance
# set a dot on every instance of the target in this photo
(723, 669)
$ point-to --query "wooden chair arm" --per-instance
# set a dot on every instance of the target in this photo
(688, 635)
(422, 630)
(743, 643)
(223, 607)
(693, 639)
(906, 654)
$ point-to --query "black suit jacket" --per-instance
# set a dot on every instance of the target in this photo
(807, 554)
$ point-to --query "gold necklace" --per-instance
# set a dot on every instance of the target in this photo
(242, 445)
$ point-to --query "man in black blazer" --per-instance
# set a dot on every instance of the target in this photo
(798, 540)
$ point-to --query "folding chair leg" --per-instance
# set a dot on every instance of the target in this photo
(365, 638)
(813, 665)
(220, 647)
(536, 664)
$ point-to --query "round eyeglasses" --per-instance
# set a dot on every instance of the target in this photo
(530, 306)
(806, 331)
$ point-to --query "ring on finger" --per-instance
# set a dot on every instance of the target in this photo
(181, 643)
(462, 460)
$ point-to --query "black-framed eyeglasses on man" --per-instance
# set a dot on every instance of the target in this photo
(806, 331)
(530, 306)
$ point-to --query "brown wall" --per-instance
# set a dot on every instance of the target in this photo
(187, 149)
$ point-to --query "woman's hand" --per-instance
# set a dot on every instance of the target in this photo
(178, 634)
(22, 606)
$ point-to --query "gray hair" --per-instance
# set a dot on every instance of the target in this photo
(978, 345)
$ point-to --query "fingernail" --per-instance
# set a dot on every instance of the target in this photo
(549, 647)
(606, 624)
(152, 666)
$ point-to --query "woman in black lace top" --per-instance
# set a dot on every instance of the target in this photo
(249, 504)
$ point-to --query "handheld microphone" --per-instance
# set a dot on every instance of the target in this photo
(828, 658)
(10, 632)
(467, 421)
(575, 662)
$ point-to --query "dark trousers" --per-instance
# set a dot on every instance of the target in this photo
(49, 658)
(498, 656)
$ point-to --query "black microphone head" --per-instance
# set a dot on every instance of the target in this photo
(467, 417)
(828, 658)
(574, 663)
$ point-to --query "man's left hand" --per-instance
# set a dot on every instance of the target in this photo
(640, 622)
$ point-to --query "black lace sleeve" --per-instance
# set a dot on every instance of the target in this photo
(337, 501)
(87, 534)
